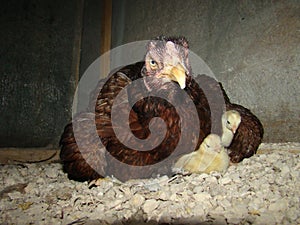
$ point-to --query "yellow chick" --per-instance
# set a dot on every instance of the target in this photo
(231, 120)
(211, 156)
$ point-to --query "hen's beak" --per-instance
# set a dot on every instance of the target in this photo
(176, 73)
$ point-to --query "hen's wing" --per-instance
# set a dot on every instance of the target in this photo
(75, 164)
(247, 137)
(84, 158)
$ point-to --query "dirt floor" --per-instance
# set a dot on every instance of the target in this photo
(264, 189)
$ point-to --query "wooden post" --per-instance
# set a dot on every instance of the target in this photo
(77, 41)
(28, 155)
(106, 37)
(77, 46)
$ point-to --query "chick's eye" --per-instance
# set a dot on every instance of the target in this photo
(228, 122)
(207, 145)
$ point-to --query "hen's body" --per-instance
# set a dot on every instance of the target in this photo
(86, 158)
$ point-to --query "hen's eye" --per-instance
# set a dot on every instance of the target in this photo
(152, 63)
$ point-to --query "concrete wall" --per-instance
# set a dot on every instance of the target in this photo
(38, 66)
(251, 46)
(36, 45)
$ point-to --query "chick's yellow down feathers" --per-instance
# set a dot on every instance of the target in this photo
(211, 156)
(231, 120)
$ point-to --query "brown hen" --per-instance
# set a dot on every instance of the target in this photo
(161, 86)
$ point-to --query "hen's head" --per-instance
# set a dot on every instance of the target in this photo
(167, 60)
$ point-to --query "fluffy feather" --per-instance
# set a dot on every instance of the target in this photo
(230, 122)
(211, 156)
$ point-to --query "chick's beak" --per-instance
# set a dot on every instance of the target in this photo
(218, 148)
(176, 73)
(234, 128)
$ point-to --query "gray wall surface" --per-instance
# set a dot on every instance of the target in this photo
(37, 80)
(36, 44)
(252, 47)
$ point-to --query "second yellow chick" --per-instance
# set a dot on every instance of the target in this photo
(211, 156)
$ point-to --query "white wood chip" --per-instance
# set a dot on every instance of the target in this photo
(150, 205)
(263, 189)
